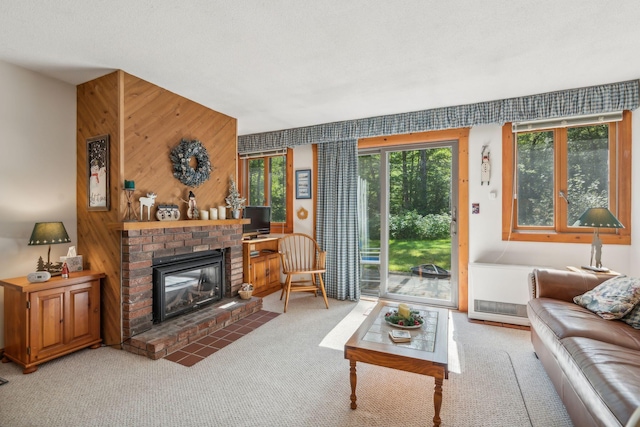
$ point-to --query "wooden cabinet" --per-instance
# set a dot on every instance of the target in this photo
(261, 265)
(265, 272)
(46, 320)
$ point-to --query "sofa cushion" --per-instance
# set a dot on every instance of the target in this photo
(566, 319)
(633, 317)
(613, 371)
(613, 298)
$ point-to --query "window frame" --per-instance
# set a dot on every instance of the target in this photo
(620, 191)
(243, 180)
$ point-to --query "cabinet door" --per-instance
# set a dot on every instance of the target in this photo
(273, 271)
(82, 320)
(46, 317)
(258, 274)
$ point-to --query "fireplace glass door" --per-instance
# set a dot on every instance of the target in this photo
(184, 286)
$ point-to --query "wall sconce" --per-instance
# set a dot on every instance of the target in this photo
(597, 218)
(49, 233)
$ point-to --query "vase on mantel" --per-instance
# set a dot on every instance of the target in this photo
(235, 214)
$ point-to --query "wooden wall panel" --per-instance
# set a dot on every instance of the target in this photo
(144, 122)
(98, 114)
(155, 122)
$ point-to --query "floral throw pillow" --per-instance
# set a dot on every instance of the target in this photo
(613, 298)
(633, 317)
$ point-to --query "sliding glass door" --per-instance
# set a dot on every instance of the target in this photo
(408, 223)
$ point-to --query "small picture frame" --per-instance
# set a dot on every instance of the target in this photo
(303, 184)
(98, 173)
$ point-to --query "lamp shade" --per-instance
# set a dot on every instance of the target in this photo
(48, 233)
(599, 218)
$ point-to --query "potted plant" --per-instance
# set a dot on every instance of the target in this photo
(234, 201)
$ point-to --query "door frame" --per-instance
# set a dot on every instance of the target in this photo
(462, 136)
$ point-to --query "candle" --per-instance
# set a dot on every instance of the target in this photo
(213, 213)
(204, 214)
(129, 185)
(222, 212)
(404, 311)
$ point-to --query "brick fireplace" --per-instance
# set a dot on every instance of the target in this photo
(141, 243)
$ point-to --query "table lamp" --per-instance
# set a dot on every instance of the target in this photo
(597, 218)
(48, 233)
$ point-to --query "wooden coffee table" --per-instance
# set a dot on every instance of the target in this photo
(426, 354)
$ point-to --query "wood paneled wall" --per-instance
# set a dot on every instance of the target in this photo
(144, 122)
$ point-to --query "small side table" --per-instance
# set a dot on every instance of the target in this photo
(597, 273)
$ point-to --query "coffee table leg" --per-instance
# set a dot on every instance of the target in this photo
(437, 401)
(354, 380)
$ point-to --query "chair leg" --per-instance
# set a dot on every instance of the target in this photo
(313, 281)
(324, 293)
(284, 286)
(288, 292)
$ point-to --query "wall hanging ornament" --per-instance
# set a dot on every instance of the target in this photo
(485, 167)
(302, 213)
(181, 158)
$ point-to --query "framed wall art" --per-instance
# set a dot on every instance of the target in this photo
(98, 173)
(303, 184)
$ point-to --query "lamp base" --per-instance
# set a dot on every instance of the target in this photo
(54, 268)
(596, 269)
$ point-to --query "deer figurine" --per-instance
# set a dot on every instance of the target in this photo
(148, 201)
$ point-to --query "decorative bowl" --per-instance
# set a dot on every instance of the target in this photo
(414, 321)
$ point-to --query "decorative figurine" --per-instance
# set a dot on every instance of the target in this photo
(192, 210)
(65, 271)
(148, 201)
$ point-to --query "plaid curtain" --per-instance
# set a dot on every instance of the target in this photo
(337, 222)
(572, 102)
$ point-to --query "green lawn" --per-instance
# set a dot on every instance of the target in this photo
(404, 254)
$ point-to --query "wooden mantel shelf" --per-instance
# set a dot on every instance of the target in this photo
(147, 225)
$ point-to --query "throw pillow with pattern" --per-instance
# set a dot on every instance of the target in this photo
(613, 298)
(633, 317)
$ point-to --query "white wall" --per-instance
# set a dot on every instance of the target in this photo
(37, 167)
(485, 228)
(303, 159)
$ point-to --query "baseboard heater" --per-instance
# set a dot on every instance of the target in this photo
(495, 307)
(499, 292)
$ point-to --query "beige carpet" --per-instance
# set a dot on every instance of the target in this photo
(280, 375)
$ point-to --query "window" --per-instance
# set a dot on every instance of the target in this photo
(267, 181)
(552, 175)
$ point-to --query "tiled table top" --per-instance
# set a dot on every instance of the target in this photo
(422, 338)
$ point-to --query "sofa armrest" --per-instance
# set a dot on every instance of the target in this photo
(562, 285)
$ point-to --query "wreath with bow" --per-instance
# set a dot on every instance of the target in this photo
(181, 157)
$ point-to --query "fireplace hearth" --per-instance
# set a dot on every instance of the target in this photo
(146, 242)
(186, 282)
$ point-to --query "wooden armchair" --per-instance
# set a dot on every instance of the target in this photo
(301, 255)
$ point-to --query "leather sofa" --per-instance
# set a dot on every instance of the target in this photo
(593, 363)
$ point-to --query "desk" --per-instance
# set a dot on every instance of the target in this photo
(261, 265)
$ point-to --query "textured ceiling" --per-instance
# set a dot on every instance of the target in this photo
(281, 64)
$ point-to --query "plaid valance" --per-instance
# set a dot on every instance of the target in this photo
(572, 102)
